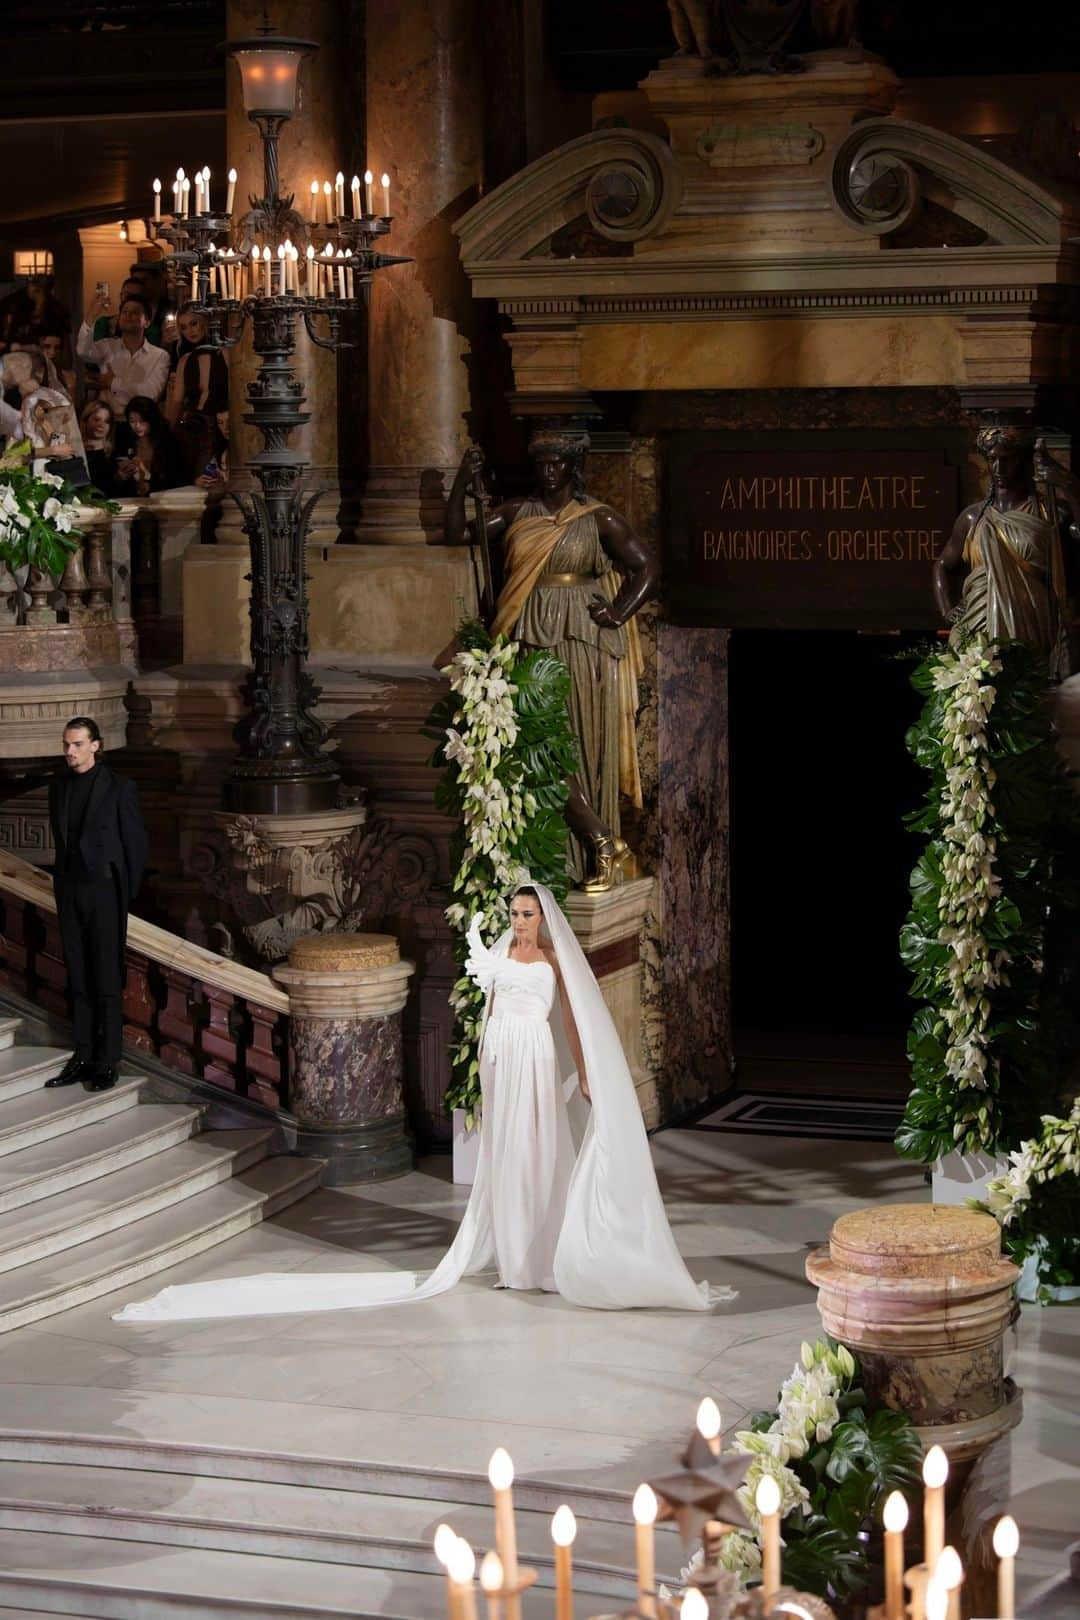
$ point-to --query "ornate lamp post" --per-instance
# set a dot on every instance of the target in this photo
(277, 269)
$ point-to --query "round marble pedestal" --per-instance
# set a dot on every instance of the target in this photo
(921, 1294)
(346, 992)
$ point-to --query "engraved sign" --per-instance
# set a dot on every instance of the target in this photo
(841, 536)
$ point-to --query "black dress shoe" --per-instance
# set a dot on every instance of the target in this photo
(100, 1079)
(75, 1069)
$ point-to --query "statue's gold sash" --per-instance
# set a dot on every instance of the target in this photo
(530, 542)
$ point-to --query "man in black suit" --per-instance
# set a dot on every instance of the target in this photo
(100, 852)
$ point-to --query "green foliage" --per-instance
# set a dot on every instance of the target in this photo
(1032, 925)
(535, 766)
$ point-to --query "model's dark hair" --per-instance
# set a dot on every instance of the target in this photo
(85, 722)
(527, 888)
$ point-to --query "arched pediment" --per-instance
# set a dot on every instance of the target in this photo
(885, 167)
(626, 182)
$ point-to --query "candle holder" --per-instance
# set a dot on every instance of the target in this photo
(281, 767)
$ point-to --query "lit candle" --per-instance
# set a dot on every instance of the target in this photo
(185, 186)
(935, 1472)
(268, 267)
(281, 257)
(445, 1541)
(355, 189)
(491, 1579)
(645, 1511)
(563, 1531)
(254, 267)
(176, 196)
(180, 181)
(326, 201)
(368, 179)
(198, 191)
(950, 1572)
(767, 1501)
(694, 1605)
(339, 194)
(1006, 1546)
(501, 1475)
(461, 1568)
(157, 199)
(314, 202)
(341, 275)
(206, 188)
(937, 1600)
(386, 196)
(231, 194)
(895, 1518)
(708, 1422)
(309, 281)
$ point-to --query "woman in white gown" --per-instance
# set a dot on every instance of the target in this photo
(565, 1196)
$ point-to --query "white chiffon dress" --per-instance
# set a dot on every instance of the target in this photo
(526, 1143)
(565, 1196)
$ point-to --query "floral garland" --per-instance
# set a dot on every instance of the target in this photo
(1037, 1202)
(504, 734)
(984, 1052)
(832, 1463)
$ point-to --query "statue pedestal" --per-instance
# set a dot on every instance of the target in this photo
(921, 1294)
(608, 929)
(346, 992)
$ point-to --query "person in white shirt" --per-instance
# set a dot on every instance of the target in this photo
(129, 366)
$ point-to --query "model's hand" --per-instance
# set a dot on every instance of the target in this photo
(583, 1087)
(603, 614)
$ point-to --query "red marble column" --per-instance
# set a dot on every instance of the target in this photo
(425, 124)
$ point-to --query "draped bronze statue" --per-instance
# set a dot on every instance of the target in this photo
(1003, 569)
(574, 576)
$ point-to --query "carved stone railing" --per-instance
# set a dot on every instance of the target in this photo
(199, 1013)
(82, 619)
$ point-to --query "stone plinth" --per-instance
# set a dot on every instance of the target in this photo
(922, 1295)
(608, 929)
(346, 993)
(179, 520)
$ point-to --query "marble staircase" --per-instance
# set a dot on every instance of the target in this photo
(104, 1539)
(109, 1190)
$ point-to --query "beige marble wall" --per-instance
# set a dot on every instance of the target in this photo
(365, 601)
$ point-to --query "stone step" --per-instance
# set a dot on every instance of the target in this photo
(80, 1214)
(26, 1068)
(9, 1028)
(355, 1528)
(62, 1162)
(40, 1115)
(119, 1260)
(86, 1575)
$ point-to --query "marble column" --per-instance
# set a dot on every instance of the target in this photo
(314, 144)
(346, 995)
(425, 118)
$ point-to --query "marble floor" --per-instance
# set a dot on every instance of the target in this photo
(578, 1398)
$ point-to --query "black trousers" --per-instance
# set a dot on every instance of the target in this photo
(92, 931)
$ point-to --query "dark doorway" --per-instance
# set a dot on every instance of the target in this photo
(820, 781)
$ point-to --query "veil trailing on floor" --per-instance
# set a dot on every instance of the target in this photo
(615, 1248)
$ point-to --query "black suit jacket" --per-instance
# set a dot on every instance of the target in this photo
(113, 836)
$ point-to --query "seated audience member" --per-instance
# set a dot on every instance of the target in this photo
(99, 444)
(156, 461)
(129, 367)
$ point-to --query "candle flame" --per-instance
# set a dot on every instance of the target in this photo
(180, 177)
(233, 177)
(310, 251)
(937, 1600)
(767, 1496)
(500, 1468)
(563, 1527)
(708, 1418)
(935, 1468)
(694, 1605)
(895, 1515)
(339, 179)
(491, 1573)
(206, 171)
(462, 1564)
(445, 1542)
(354, 183)
(368, 177)
(646, 1506)
(314, 188)
(1006, 1537)
(949, 1571)
(385, 180)
(157, 185)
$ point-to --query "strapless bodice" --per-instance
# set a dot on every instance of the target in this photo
(523, 989)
